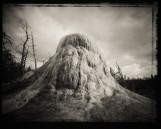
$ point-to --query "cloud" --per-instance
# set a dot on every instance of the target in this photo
(122, 34)
(135, 71)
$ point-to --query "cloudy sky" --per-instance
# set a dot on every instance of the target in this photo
(123, 34)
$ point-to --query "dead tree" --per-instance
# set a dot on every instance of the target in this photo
(34, 55)
(118, 75)
(25, 56)
(24, 52)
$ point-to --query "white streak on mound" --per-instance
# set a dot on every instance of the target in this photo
(77, 40)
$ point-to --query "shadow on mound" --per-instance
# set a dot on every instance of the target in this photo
(121, 108)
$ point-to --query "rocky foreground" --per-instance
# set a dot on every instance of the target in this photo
(76, 85)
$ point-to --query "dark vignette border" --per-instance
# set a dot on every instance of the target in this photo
(114, 3)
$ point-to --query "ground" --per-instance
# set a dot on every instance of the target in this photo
(45, 106)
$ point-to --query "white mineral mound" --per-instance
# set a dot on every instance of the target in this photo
(78, 75)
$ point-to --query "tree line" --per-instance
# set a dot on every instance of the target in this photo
(144, 86)
(12, 69)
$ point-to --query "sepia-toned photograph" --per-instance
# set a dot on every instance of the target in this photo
(79, 62)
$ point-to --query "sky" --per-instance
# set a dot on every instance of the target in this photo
(123, 34)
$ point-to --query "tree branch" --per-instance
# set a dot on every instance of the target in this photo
(19, 45)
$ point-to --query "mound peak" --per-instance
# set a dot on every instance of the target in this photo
(77, 39)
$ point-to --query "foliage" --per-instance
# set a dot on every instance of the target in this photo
(10, 68)
(145, 86)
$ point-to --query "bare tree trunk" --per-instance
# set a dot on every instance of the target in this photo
(33, 46)
(23, 53)
(25, 57)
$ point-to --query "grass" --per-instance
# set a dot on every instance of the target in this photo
(48, 105)
(120, 108)
(45, 107)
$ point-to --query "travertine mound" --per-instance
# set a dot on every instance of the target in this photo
(79, 71)
(78, 65)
